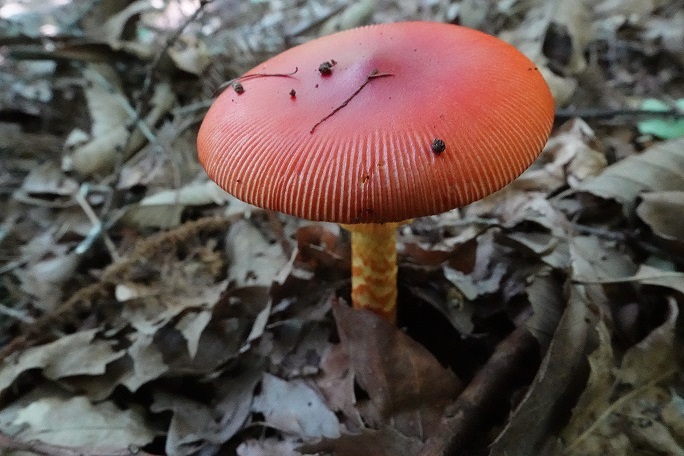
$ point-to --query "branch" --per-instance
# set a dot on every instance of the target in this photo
(606, 113)
(491, 386)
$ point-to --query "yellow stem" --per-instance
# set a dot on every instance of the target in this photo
(374, 268)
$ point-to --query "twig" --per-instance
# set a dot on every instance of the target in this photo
(605, 113)
(373, 75)
(147, 83)
(308, 26)
(97, 229)
(10, 443)
(483, 395)
(235, 81)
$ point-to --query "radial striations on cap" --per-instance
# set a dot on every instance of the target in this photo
(379, 124)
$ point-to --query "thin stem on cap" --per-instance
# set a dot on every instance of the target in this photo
(374, 268)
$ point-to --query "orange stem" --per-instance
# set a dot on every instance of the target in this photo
(374, 268)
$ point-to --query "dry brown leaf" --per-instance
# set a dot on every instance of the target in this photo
(76, 422)
(164, 209)
(47, 180)
(267, 447)
(384, 442)
(597, 393)
(301, 355)
(149, 308)
(568, 20)
(110, 138)
(113, 28)
(253, 259)
(293, 407)
(190, 54)
(614, 13)
(646, 275)
(664, 213)
(234, 400)
(668, 33)
(548, 303)
(673, 416)
(190, 423)
(592, 262)
(44, 279)
(619, 400)
(356, 14)
(336, 383)
(75, 354)
(659, 168)
(191, 325)
(570, 156)
(147, 363)
(530, 425)
(407, 386)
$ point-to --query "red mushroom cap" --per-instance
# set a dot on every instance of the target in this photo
(408, 119)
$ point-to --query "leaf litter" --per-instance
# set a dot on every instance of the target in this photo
(143, 310)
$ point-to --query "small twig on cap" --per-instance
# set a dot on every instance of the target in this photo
(236, 81)
(373, 75)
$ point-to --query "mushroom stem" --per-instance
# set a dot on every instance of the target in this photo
(374, 268)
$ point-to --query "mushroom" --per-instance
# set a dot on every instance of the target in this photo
(415, 119)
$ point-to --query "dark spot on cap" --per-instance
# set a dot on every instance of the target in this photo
(293, 93)
(325, 68)
(238, 87)
(438, 146)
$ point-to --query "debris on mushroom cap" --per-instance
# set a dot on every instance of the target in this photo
(363, 149)
(438, 146)
(238, 87)
(325, 68)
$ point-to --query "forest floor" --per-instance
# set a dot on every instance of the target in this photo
(145, 311)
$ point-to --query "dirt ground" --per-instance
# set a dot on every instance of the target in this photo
(145, 311)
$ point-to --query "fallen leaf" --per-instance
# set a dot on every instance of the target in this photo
(74, 354)
(253, 259)
(147, 363)
(191, 325)
(619, 397)
(659, 168)
(267, 447)
(647, 275)
(386, 441)
(47, 180)
(190, 54)
(664, 213)
(407, 386)
(592, 262)
(530, 426)
(76, 422)
(336, 382)
(113, 28)
(44, 279)
(111, 139)
(190, 422)
(293, 407)
(548, 304)
(354, 15)
(234, 396)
